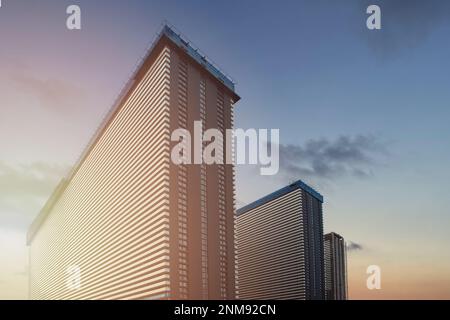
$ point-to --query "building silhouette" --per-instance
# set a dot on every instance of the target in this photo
(129, 221)
(279, 242)
(335, 254)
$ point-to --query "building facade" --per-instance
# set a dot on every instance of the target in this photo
(128, 220)
(279, 242)
(335, 267)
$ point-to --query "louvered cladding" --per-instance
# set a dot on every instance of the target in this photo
(112, 221)
(279, 254)
(335, 267)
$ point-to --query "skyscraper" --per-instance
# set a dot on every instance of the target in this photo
(335, 267)
(128, 223)
(280, 246)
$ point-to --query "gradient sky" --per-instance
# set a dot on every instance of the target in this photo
(363, 115)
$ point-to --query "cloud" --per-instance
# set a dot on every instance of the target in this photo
(326, 160)
(406, 24)
(52, 94)
(34, 179)
(240, 203)
(21, 273)
(353, 246)
(24, 188)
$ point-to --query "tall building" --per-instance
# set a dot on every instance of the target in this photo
(280, 246)
(128, 223)
(335, 267)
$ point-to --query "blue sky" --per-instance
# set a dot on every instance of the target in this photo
(374, 104)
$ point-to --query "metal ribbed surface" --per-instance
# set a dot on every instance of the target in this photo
(280, 247)
(112, 220)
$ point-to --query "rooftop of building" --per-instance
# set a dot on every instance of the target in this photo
(183, 43)
(333, 234)
(175, 38)
(279, 193)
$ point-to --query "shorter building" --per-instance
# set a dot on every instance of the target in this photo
(335, 267)
(279, 241)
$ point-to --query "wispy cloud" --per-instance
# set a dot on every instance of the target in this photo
(240, 203)
(23, 189)
(353, 246)
(35, 179)
(52, 94)
(325, 160)
(406, 24)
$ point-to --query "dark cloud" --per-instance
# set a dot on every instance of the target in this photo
(353, 246)
(406, 24)
(324, 159)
